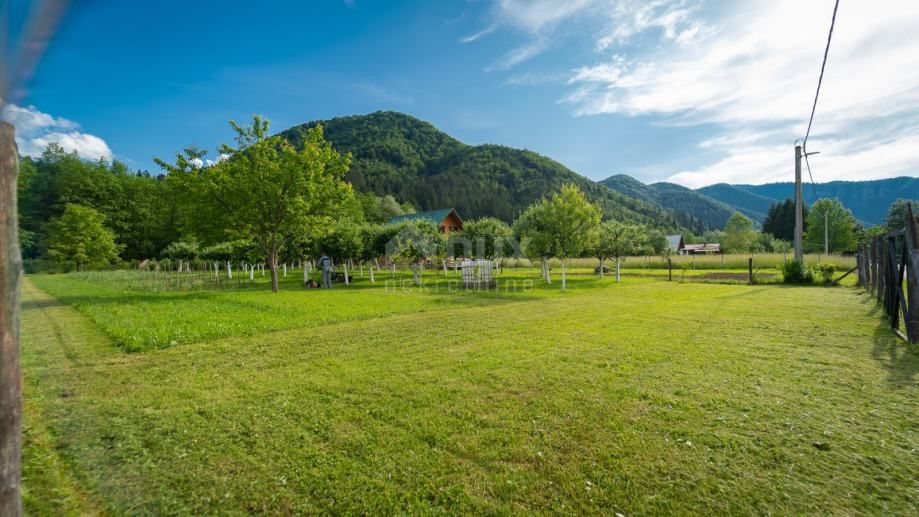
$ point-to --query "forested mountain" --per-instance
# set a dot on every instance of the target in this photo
(694, 210)
(748, 203)
(412, 160)
(868, 200)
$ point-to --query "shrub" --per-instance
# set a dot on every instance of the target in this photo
(825, 270)
(796, 273)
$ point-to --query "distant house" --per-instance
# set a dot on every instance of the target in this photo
(446, 219)
(701, 249)
(675, 242)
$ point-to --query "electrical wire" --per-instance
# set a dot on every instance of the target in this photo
(810, 122)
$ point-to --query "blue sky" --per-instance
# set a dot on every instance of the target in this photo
(695, 92)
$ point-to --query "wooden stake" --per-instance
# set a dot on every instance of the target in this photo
(10, 373)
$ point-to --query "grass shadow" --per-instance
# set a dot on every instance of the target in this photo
(41, 304)
(899, 358)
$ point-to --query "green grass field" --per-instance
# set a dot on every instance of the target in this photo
(641, 398)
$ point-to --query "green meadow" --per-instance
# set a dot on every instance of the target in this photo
(643, 397)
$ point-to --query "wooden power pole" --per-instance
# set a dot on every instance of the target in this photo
(10, 375)
(799, 209)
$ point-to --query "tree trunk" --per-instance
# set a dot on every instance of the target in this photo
(563, 274)
(344, 264)
(273, 265)
(415, 274)
(370, 268)
(285, 270)
(445, 267)
(618, 263)
(10, 374)
(306, 277)
(251, 272)
(602, 266)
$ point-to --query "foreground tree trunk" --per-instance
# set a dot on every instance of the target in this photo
(563, 274)
(618, 277)
(273, 266)
(602, 266)
(10, 375)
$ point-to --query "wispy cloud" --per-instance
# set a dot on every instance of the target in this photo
(35, 130)
(617, 21)
(748, 69)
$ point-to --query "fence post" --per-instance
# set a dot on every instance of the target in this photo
(751, 270)
(10, 372)
(669, 269)
(911, 238)
(880, 256)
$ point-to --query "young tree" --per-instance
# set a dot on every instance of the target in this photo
(487, 237)
(842, 227)
(414, 243)
(616, 240)
(264, 187)
(739, 234)
(564, 225)
(532, 230)
(220, 253)
(182, 251)
(371, 247)
(79, 237)
(343, 243)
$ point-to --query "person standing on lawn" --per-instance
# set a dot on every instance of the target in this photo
(325, 264)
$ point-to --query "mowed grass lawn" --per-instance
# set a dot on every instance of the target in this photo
(641, 398)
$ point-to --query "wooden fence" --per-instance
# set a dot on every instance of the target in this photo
(884, 263)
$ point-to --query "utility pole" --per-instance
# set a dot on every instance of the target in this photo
(799, 209)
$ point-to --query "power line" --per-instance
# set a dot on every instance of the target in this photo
(820, 80)
(810, 122)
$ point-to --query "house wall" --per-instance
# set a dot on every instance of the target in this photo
(451, 223)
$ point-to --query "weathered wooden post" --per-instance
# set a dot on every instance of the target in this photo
(669, 269)
(751, 270)
(880, 257)
(911, 252)
(10, 375)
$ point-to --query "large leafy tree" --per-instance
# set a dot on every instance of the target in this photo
(264, 187)
(616, 240)
(842, 235)
(739, 234)
(79, 238)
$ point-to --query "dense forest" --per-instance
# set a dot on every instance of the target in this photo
(692, 209)
(412, 160)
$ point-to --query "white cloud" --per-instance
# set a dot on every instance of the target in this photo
(753, 75)
(618, 19)
(35, 130)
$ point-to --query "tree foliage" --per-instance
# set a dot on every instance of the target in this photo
(739, 234)
(842, 227)
(264, 187)
(780, 220)
(79, 238)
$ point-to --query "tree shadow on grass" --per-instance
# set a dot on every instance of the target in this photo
(41, 304)
(899, 358)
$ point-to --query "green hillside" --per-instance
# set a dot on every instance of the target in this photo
(411, 159)
(692, 209)
(748, 203)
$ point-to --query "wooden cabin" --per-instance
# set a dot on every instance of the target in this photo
(446, 219)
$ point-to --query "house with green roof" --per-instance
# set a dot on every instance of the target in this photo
(446, 219)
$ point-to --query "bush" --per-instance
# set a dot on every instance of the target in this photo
(796, 273)
(825, 270)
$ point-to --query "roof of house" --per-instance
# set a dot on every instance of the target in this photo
(711, 246)
(674, 241)
(436, 216)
